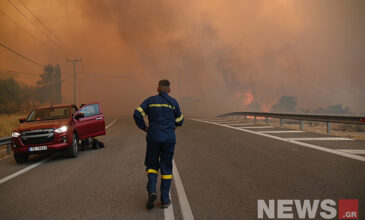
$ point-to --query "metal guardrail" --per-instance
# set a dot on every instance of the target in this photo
(346, 119)
(6, 141)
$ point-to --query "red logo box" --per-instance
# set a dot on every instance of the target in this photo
(348, 209)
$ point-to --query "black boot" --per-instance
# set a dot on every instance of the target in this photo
(151, 200)
(166, 205)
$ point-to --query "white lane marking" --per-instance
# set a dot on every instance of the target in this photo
(169, 212)
(186, 212)
(257, 127)
(278, 132)
(328, 150)
(243, 124)
(3, 180)
(222, 119)
(217, 120)
(320, 139)
(106, 127)
(352, 151)
(228, 122)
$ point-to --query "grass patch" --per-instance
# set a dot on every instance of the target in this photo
(8, 123)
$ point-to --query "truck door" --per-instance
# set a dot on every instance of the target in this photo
(93, 122)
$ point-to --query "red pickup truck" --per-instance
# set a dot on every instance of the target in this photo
(57, 128)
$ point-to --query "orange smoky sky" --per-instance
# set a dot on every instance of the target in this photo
(209, 50)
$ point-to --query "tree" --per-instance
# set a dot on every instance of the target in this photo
(50, 84)
(58, 84)
(15, 98)
(10, 99)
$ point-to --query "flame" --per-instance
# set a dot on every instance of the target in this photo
(265, 108)
(248, 98)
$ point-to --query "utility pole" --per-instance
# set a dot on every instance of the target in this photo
(53, 87)
(74, 61)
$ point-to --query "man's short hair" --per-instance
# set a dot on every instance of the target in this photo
(164, 83)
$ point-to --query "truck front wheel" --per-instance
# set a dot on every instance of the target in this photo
(21, 158)
(73, 151)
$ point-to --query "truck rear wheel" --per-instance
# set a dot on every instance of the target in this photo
(21, 158)
(73, 151)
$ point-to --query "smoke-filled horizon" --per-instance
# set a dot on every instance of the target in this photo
(220, 56)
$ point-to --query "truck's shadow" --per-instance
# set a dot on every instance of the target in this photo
(56, 155)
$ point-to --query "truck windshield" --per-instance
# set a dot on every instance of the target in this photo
(49, 114)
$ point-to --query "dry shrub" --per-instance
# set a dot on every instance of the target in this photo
(8, 122)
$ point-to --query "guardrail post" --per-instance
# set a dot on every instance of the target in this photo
(328, 127)
(281, 122)
(301, 125)
(8, 148)
(266, 120)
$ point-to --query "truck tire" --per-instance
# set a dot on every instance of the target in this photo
(21, 158)
(73, 151)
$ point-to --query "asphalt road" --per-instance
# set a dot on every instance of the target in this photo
(224, 172)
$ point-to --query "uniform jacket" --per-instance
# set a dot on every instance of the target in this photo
(163, 118)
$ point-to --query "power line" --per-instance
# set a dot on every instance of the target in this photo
(24, 57)
(22, 28)
(19, 26)
(13, 71)
(36, 26)
(28, 73)
(114, 76)
(70, 74)
(60, 46)
(41, 23)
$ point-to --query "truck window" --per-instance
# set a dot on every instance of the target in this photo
(49, 114)
(90, 110)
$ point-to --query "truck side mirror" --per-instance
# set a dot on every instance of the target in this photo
(22, 120)
(79, 115)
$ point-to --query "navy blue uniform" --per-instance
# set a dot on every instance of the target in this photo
(164, 116)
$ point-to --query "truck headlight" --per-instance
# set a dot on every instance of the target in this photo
(61, 129)
(15, 134)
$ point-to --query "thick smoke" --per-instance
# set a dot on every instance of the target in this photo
(231, 55)
(285, 104)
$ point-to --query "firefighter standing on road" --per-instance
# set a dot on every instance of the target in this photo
(164, 115)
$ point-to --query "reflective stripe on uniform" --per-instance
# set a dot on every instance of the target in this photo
(141, 111)
(161, 105)
(166, 177)
(179, 118)
(152, 171)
